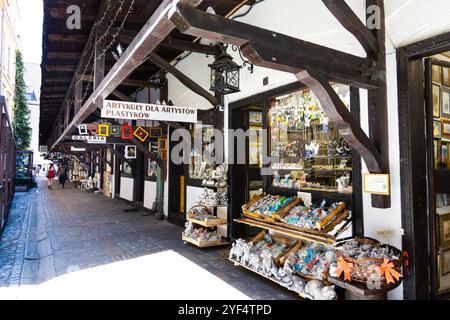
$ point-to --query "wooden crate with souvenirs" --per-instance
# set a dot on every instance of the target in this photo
(269, 207)
(365, 260)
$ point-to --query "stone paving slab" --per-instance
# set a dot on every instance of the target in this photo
(76, 231)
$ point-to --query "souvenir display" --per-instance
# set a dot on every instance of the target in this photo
(306, 149)
(261, 256)
(218, 177)
(268, 206)
(313, 217)
(312, 260)
(200, 234)
(366, 260)
(210, 198)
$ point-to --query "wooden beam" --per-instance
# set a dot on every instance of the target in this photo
(78, 100)
(378, 105)
(126, 82)
(120, 95)
(277, 51)
(149, 38)
(146, 152)
(99, 59)
(350, 21)
(341, 117)
(188, 82)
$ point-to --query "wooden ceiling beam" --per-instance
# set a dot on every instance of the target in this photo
(350, 21)
(277, 51)
(187, 81)
(157, 28)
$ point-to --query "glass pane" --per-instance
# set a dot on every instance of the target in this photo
(307, 151)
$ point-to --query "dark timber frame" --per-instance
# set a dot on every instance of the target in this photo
(315, 66)
(417, 176)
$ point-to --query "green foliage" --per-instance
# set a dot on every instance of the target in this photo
(21, 123)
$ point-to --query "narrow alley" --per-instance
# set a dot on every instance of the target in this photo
(85, 246)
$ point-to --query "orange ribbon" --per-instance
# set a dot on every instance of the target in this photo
(387, 268)
(345, 267)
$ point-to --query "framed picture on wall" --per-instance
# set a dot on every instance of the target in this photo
(444, 231)
(437, 129)
(82, 129)
(130, 152)
(437, 74)
(445, 128)
(436, 101)
(155, 132)
(162, 145)
(444, 153)
(446, 77)
(437, 152)
(445, 261)
(445, 102)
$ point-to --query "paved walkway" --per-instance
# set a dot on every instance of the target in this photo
(83, 245)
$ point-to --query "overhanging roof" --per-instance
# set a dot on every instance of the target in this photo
(63, 48)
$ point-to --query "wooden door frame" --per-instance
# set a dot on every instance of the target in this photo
(414, 169)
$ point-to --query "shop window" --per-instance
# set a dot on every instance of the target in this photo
(203, 136)
(307, 151)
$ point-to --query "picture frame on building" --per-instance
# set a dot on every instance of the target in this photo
(141, 134)
(93, 129)
(130, 152)
(155, 132)
(436, 101)
(115, 131)
(437, 129)
(162, 144)
(127, 132)
(445, 103)
(446, 128)
(445, 261)
(437, 152)
(82, 129)
(444, 231)
(446, 76)
(103, 130)
(163, 154)
(437, 74)
(444, 154)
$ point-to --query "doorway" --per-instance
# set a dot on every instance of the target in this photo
(424, 122)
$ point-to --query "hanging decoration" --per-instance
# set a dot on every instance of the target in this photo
(127, 132)
(141, 134)
(103, 130)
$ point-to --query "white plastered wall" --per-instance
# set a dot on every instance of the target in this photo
(406, 22)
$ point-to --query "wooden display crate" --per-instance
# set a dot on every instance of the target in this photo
(204, 244)
(208, 223)
(276, 216)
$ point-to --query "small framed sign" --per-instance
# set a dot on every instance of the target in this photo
(378, 184)
(82, 129)
(103, 130)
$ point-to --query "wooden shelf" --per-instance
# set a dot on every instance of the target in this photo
(214, 187)
(207, 223)
(312, 236)
(301, 294)
(204, 244)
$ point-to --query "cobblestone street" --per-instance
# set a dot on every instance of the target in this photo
(88, 241)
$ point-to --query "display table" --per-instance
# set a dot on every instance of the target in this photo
(359, 291)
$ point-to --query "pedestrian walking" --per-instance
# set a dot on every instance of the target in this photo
(62, 177)
(51, 173)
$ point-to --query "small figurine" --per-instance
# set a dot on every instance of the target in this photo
(315, 290)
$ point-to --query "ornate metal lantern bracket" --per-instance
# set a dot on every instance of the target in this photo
(246, 63)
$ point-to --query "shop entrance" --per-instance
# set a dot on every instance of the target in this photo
(424, 93)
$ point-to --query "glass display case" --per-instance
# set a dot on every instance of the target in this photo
(199, 168)
(306, 151)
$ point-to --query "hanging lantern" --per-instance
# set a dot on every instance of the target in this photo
(224, 75)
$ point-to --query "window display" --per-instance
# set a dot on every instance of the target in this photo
(199, 169)
(307, 151)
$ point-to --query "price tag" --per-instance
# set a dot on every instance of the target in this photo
(377, 184)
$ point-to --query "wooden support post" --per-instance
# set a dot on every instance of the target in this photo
(146, 152)
(378, 106)
(187, 81)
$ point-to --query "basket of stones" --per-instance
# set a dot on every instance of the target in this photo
(365, 260)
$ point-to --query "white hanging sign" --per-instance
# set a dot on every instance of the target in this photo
(377, 184)
(90, 139)
(143, 111)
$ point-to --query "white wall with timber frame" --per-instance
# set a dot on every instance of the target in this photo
(406, 22)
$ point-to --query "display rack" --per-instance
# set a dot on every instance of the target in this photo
(209, 224)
